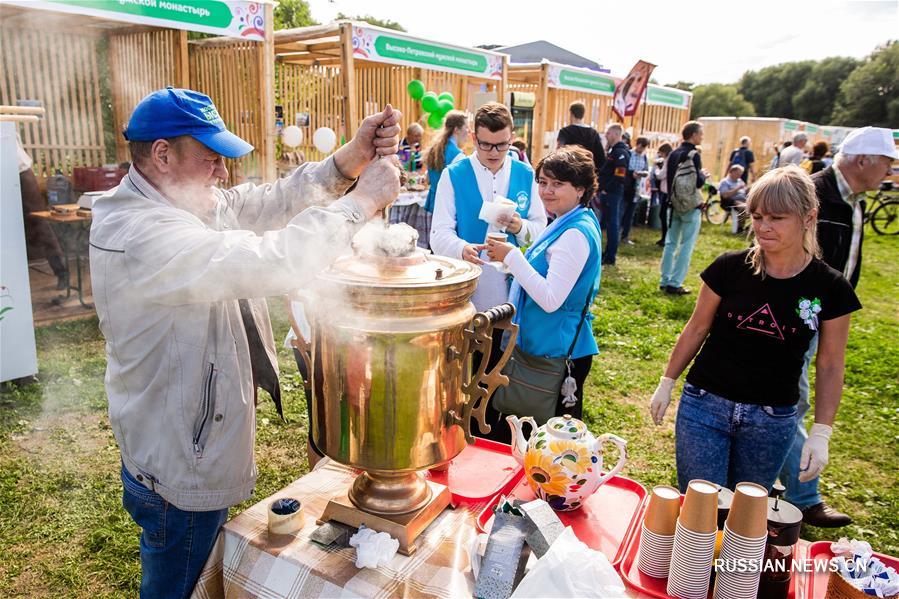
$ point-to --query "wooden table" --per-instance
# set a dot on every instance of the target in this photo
(73, 230)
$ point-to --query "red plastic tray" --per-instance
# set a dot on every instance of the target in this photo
(820, 551)
(603, 523)
(649, 585)
(480, 472)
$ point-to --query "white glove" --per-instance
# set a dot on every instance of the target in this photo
(815, 452)
(660, 399)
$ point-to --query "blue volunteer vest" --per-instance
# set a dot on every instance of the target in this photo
(549, 334)
(449, 154)
(468, 198)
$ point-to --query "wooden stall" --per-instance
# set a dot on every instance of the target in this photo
(334, 75)
(88, 66)
(660, 116)
(722, 135)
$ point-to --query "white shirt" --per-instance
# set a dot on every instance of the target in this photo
(493, 288)
(858, 220)
(791, 155)
(566, 256)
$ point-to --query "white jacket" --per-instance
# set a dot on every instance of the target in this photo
(166, 287)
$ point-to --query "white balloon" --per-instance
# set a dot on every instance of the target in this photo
(324, 139)
(292, 136)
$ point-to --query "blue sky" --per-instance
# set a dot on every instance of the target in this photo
(693, 40)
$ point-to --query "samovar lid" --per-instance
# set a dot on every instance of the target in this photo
(420, 269)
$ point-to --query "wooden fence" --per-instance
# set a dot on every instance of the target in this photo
(141, 62)
(230, 72)
(319, 91)
(61, 71)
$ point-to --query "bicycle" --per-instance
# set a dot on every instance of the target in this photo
(712, 210)
(883, 210)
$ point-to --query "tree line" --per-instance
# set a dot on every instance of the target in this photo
(839, 91)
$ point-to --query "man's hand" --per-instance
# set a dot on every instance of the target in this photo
(511, 223)
(658, 405)
(377, 135)
(815, 452)
(471, 252)
(378, 186)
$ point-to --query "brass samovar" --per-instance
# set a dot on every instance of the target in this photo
(393, 391)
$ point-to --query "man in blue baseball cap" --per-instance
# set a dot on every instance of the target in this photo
(180, 271)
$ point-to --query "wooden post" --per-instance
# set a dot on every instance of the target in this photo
(416, 104)
(266, 53)
(540, 115)
(503, 84)
(347, 68)
(182, 60)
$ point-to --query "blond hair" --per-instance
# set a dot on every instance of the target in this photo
(787, 190)
(436, 157)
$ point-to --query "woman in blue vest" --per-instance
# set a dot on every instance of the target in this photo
(556, 279)
(445, 151)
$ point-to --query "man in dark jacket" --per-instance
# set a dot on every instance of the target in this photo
(864, 161)
(578, 133)
(611, 189)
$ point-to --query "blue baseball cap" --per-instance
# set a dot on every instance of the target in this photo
(172, 112)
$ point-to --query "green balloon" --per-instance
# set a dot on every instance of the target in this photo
(416, 89)
(444, 106)
(435, 120)
(429, 102)
(447, 96)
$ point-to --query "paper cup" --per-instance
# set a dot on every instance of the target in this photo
(663, 509)
(748, 515)
(655, 553)
(700, 510)
(498, 236)
(691, 565)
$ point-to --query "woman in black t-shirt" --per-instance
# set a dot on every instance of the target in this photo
(755, 316)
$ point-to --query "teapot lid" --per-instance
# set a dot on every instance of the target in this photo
(566, 427)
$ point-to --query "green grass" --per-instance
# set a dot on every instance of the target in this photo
(63, 531)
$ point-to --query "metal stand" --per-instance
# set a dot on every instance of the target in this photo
(405, 528)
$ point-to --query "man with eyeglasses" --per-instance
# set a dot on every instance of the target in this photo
(465, 186)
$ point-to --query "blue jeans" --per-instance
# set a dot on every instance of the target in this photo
(726, 442)
(174, 544)
(802, 495)
(611, 220)
(628, 206)
(679, 242)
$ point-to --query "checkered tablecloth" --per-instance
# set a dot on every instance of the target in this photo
(247, 562)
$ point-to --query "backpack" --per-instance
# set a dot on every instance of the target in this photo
(685, 196)
(738, 156)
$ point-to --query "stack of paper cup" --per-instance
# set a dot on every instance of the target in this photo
(743, 546)
(657, 534)
(694, 542)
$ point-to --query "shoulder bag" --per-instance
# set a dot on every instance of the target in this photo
(534, 381)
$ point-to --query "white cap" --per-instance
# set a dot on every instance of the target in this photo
(870, 140)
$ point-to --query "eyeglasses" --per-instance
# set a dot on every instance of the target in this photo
(498, 147)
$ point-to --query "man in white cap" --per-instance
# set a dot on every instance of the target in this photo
(865, 159)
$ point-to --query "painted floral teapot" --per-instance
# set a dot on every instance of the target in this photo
(563, 460)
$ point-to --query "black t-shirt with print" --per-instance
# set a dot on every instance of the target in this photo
(754, 351)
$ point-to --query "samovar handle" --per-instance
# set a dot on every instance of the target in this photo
(479, 386)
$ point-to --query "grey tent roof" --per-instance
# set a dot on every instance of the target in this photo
(541, 49)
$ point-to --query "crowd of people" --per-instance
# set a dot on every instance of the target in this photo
(175, 264)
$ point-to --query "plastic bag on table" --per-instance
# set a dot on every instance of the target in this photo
(571, 569)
